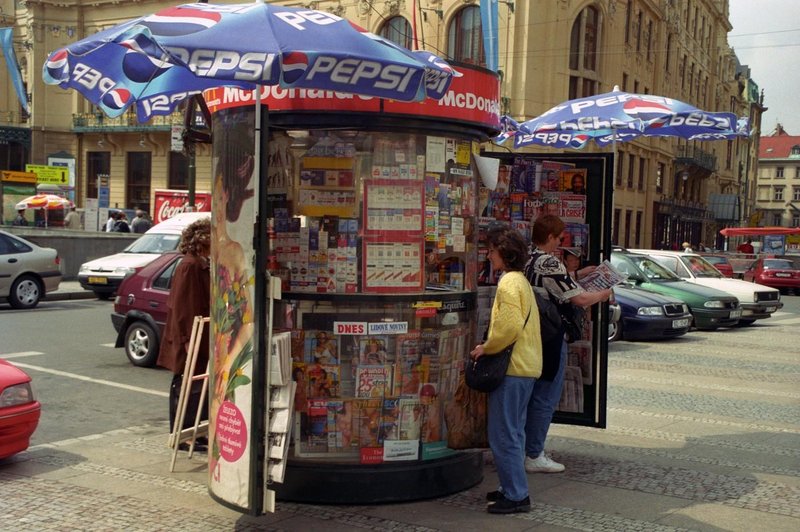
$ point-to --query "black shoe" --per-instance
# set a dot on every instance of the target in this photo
(494, 496)
(505, 506)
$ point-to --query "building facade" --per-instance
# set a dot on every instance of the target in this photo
(778, 181)
(667, 190)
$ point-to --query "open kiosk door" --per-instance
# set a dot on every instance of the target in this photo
(579, 189)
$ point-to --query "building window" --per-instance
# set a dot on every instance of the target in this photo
(583, 54)
(797, 172)
(777, 194)
(777, 218)
(638, 231)
(397, 30)
(178, 171)
(624, 83)
(796, 220)
(642, 175)
(97, 163)
(668, 54)
(639, 31)
(660, 173)
(628, 9)
(464, 38)
(139, 173)
(631, 165)
(628, 229)
(649, 38)
(795, 193)
(615, 227)
(620, 165)
(795, 150)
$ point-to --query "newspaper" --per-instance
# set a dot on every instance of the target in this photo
(603, 277)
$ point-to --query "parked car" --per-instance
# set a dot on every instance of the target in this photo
(103, 276)
(614, 315)
(140, 309)
(27, 271)
(721, 263)
(646, 315)
(774, 272)
(710, 308)
(19, 410)
(757, 301)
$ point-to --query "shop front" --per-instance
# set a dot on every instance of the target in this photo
(366, 217)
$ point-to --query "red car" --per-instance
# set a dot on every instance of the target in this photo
(721, 263)
(140, 309)
(780, 273)
(19, 410)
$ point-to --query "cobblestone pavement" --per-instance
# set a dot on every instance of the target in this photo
(703, 434)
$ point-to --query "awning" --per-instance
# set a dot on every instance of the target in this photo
(724, 206)
(759, 231)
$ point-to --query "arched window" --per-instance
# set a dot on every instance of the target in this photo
(397, 30)
(464, 37)
(583, 43)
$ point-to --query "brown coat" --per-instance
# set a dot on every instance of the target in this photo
(189, 296)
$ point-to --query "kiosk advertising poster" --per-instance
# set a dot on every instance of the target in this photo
(232, 309)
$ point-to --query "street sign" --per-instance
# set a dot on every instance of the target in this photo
(51, 175)
(18, 177)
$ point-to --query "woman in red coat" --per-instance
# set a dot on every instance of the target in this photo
(189, 296)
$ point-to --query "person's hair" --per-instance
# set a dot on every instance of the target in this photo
(196, 237)
(544, 226)
(509, 244)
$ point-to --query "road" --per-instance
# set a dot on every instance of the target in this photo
(703, 434)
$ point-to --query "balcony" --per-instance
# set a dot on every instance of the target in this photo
(99, 123)
(693, 156)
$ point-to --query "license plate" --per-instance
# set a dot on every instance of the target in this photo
(772, 309)
(781, 274)
(680, 324)
(736, 314)
(98, 280)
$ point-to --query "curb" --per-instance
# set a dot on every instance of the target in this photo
(64, 296)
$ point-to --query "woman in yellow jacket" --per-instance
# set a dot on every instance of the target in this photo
(515, 318)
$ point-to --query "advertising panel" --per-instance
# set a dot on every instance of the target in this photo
(171, 202)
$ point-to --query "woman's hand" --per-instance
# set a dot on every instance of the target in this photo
(477, 352)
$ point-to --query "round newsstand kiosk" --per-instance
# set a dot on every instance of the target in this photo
(364, 214)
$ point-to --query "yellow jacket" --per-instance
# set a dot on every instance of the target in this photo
(511, 303)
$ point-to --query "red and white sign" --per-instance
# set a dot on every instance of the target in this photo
(349, 328)
(473, 98)
(171, 202)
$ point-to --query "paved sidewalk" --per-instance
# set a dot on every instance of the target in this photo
(70, 290)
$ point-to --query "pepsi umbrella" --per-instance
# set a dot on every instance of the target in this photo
(44, 201)
(621, 116)
(158, 60)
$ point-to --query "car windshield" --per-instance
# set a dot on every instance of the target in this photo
(701, 267)
(716, 260)
(154, 243)
(653, 270)
(778, 264)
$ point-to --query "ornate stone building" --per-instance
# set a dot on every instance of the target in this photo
(666, 190)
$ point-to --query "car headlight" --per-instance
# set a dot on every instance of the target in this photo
(650, 311)
(714, 304)
(685, 308)
(84, 269)
(19, 394)
(124, 270)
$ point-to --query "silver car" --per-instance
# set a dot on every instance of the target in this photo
(27, 271)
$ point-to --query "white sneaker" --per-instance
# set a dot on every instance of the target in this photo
(542, 464)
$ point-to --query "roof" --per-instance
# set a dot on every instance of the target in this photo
(777, 147)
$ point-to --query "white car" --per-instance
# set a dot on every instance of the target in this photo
(757, 301)
(104, 275)
(27, 271)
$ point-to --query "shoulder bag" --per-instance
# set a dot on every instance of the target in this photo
(487, 372)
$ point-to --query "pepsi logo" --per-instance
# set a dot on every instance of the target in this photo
(293, 66)
(117, 99)
(177, 21)
(645, 110)
(578, 141)
(56, 65)
(140, 62)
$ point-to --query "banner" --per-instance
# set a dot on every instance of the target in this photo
(489, 28)
(13, 67)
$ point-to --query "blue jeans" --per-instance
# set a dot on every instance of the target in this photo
(507, 405)
(543, 403)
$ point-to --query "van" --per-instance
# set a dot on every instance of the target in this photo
(104, 275)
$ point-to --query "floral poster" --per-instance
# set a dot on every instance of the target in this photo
(232, 300)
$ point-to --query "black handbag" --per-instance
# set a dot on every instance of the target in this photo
(487, 372)
(551, 327)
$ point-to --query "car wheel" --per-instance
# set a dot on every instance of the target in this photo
(141, 344)
(614, 331)
(104, 296)
(25, 292)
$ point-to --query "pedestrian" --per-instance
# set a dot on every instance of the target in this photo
(20, 220)
(549, 278)
(687, 247)
(121, 224)
(112, 217)
(72, 220)
(747, 247)
(189, 296)
(141, 223)
(514, 319)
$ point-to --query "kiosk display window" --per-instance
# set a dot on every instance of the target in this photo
(372, 236)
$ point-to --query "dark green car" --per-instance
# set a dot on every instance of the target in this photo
(711, 308)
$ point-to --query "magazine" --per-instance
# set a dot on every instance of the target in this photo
(373, 381)
(604, 276)
(410, 418)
